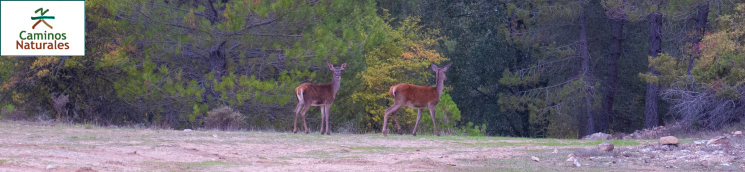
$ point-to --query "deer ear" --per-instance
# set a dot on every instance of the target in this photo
(447, 66)
(344, 65)
(330, 66)
(433, 66)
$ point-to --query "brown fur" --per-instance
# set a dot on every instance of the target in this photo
(417, 97)
(316, 94)
(322, 95)
(414, 96)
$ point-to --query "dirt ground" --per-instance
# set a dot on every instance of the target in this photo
(28, 146)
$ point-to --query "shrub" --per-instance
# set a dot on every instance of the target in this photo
(446, 113)
(472, 130)
(224, 118)
(9, 112)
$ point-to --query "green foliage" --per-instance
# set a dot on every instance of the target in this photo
(9, 108)
(402, 55)
(671, 69)
(230, 59)
(472, 130)
(721, 66)
(447, 116)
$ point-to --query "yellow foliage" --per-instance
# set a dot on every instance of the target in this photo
(18, 98)
(403, 58)
(42, 73)
(43, 61)
(713, 44)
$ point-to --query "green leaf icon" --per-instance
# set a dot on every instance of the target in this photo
(42, 11)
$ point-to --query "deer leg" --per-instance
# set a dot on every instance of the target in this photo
(305, 125)
(432, 113)
(385, 124)
(394, 115)
(297, 111)
(328, 115)
(418, 116)
(323, 117)
(388, 111)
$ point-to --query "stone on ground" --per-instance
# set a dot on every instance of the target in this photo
(721, 140)
(576, 163)
(605, 146)
(598, 136)
(669, 140)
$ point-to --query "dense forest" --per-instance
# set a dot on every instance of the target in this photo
(534, 68)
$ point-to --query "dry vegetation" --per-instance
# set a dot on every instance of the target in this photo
(39, 146)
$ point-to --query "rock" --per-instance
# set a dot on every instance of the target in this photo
(667, 147)
(576, 163)
(669, 140)
(570, 159)
(535, 159)
(737, 134)
(86, 169)
(700, 142)
(556, 151)
(619, 136)
(187, 130)
(718, 141)
(214, 135)
(605, 146)
(50, 166)
(598, 136)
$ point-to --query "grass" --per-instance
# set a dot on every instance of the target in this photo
(371, 148)
(87, 138)
(192, 165)
(202, 164)
(288, 151)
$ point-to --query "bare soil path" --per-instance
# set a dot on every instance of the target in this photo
(39, 147)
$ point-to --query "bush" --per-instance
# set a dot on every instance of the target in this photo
(9, 112)
(472, 130)
(446, 113)
(224, 118)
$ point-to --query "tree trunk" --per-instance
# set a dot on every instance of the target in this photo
(698, 33)
(616, 50)
(216, 60)
(585, 55)
(655, 47)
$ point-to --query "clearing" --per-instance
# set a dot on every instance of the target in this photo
(26, 146)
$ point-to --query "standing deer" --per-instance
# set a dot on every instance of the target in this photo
(318, 95)
(417, 97)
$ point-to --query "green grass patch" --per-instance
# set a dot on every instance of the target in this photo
(202, 164)
(371, 148)
(317, 154)
(3, 161)
(205, 163)
(85, 138)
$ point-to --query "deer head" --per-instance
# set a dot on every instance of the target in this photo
(336, 79)
(337, 70)
(440, 76)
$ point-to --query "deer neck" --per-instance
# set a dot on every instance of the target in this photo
(439, 84)
(335, 84)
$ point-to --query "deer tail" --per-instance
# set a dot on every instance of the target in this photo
(299, 92)
(393, 91)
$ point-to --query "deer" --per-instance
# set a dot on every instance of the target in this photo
(322, 95)
(416, 97)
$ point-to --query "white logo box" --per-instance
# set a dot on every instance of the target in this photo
(69, 18)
